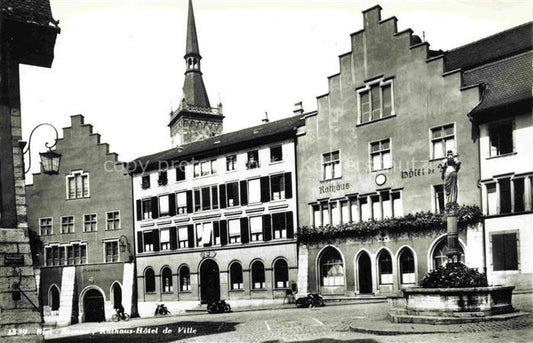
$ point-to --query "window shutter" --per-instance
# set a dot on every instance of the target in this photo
(173, 238)
(155, 239)
(223, 232)
(288, 186)
(290, 224)
(140, 241)
(222, 195)
(511, 258)
(244, 193)
(189, 201)
(190, 234)
(267, 227)
(155, 208)
(172, 204)
(265, 189)
(139, 210)
(216, 231)
(245, 235)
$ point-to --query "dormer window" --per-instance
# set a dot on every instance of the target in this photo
(145, 182)
(375, 101)
(162, 179)
(253, 159)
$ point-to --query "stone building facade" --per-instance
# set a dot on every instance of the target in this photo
(27, 36)
(82, 218)
(372, 151)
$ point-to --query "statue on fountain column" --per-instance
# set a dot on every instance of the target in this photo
(449, 175)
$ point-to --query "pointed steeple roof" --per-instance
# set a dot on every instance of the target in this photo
(192, 38)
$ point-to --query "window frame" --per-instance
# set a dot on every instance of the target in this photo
(280, 146)
(184, 287)
(381, 151)
(73, 176)
(73, 224)
(442, 140)
(491, 247)
(231, 160)
(145, 181)
(495, 125)
(252, 164)
(381, 83)
(113, 242)
(281, 192)
(162, 178)
(113, 219)
(236, 286)
(51, 226)
(164, 289)
(85, 222)
(332, 162)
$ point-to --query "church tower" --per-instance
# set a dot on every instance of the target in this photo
(194, 119)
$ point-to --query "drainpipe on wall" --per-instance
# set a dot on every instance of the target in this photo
(471, 118)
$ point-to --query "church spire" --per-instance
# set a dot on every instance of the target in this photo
(194, 92)
(194, 119)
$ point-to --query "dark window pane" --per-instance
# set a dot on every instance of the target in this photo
(505, 195)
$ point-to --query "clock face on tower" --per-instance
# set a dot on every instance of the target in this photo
(380, 179)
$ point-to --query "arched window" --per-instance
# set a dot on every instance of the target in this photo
(149, 281)
(407, 267)
(439, 257)
(166, 280)
(185, 279)
(385, 268)
(53, 298)
(258, 275)
(281, 274)
(235, 272)
(331, 268)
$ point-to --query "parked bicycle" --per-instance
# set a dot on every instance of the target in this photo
(161, 309)
(120, 315)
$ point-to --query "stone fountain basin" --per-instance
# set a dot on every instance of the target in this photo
(458, 302)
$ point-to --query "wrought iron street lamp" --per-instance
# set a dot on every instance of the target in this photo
(50, 159)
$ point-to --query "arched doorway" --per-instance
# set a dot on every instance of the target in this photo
(209, 282)
(364, 273)
(117, 295)
(93, 306)
(53, 298)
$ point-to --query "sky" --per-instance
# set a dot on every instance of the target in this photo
(120, 62)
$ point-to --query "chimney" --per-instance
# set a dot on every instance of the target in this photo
(298, 108)
(265, 119)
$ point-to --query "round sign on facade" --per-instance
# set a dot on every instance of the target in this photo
(381, 179)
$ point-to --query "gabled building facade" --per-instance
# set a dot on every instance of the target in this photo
(216, 214)
(372, 152)
(502, 64)
(82, 221)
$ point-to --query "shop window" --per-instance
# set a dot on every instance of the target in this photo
(407, 267)
(45, 226)
(276, 154)
(185, 279)
(149, 281)
(380, 155)
(253, 159)
(281, 274)
(78, 185)
(236, 276)
(504, 251)
(258, 275)
(331, 165)
(442, 140)
(501, 139)
(231, 162)
(166, 280)
(385, 268)
(331, 268)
